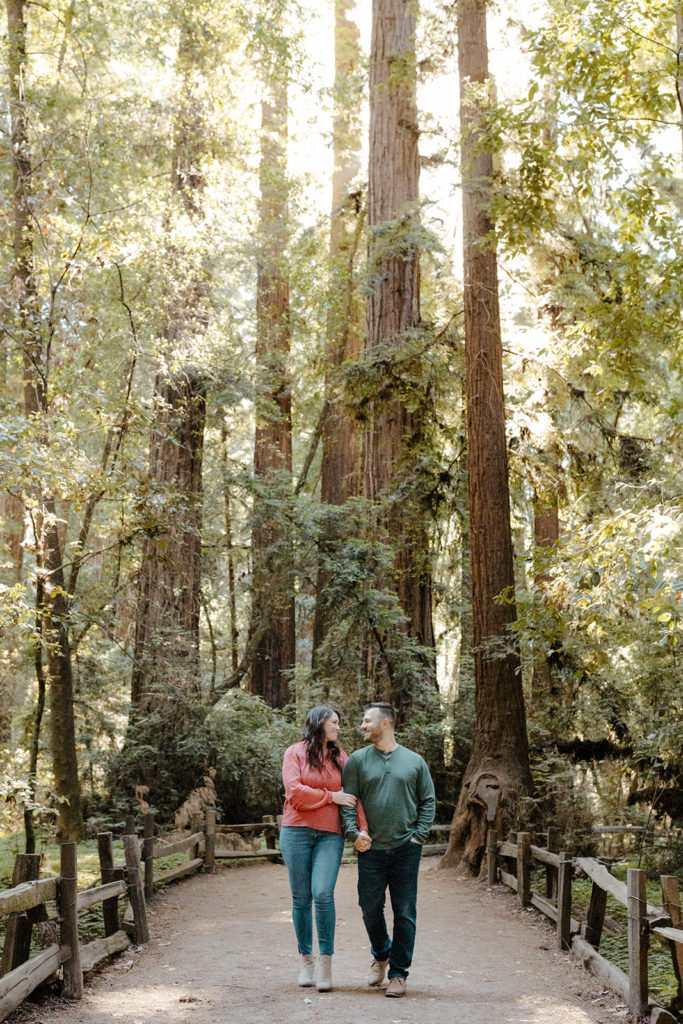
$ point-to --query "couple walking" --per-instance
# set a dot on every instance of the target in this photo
(382, 797)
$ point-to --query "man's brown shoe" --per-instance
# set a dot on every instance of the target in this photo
(396, 987)
(378, 968)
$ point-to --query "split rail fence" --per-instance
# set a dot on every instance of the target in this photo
(133, 881)
(512, 862)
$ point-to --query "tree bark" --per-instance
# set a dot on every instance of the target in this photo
(48, 542)
(341, 439)
(396, 430)
(166, 677)
(12, 536)
(498, 769)
(166, 653)
(546, 534)
(167, 625)
(230, 551)
(272, 612)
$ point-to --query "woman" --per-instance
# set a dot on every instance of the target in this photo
(311, 839)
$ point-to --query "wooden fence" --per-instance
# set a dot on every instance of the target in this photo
(25, 904)
(135, 879)
(512, 863)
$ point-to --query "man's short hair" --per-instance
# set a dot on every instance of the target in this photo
(386, 710)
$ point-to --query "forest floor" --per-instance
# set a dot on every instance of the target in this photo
(222, 951)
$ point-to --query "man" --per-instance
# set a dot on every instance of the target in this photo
(397, 793)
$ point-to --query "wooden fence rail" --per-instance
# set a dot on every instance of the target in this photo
(25, 904)
(512, 862)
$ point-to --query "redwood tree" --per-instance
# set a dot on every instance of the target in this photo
(166, 681)
(272, 646)
(546, 535)
(340, 476)
(397, 418)
(498, 768)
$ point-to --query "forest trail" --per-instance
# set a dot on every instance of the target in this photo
(222, 951)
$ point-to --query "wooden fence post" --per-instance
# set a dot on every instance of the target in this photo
(129, 826)
(491, 856)
(637, 941)
(110, 908)
(17, 945)
(550, 871)
(67, 890)
(270, 835)
(595, 915)
(136, 893)
(195, 826)
(564, 901)
(148, 855)
(524, 868)
(210, 839)
(671, 900)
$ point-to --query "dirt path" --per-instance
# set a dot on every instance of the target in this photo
(222, 951)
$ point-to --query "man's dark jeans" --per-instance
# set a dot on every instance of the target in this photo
(396, 869)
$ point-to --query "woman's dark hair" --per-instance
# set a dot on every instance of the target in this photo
(314, 734)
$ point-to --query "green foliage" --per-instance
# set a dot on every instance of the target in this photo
(167, 748)
(248, 740)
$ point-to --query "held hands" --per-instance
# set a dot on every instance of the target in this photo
(363, 842)
(344, 799)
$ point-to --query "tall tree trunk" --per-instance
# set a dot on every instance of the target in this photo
(11, 557)
(396, 431)
(498, 769)
(462, 497)
(546, 534)
(12, 529)
(341, 440)
(272, 612)
(230, 550)
(166, 658)
(167, 627)
(49, 543)
(166, 680)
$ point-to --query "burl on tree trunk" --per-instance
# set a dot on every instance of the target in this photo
(488, 799)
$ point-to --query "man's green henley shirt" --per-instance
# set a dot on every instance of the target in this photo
(397, 794)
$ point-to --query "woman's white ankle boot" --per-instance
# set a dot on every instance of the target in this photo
(323, 981)
(307, 972)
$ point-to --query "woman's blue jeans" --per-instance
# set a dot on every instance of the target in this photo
(396, 869)
(312, 858)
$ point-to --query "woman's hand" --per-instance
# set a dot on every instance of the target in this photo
(344, 799)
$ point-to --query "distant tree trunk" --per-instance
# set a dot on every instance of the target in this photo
(166, 677)
(166, 657)
(498, 769)
(12, 537)
(341, 439)
(396, 431)
(12, 555)
(546, 534)
(48, 542)
(234, 633)
(34, 748)
(272, 627)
